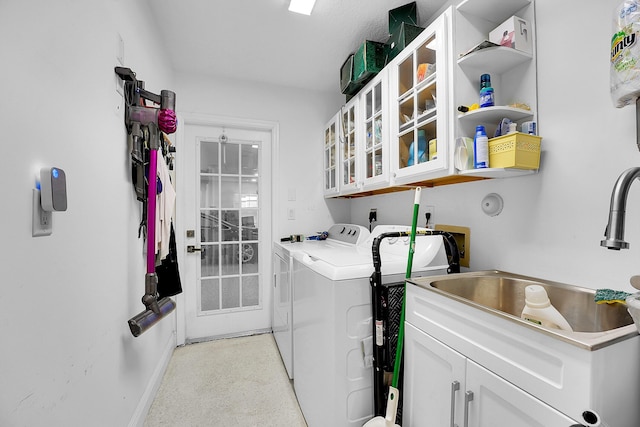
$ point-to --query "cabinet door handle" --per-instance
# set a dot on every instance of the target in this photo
(468, 397)
(455, 386)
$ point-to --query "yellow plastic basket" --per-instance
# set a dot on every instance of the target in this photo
(515, 150)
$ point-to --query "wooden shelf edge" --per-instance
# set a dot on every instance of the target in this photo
(447, 180)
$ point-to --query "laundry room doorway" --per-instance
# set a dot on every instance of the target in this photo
(224, 213)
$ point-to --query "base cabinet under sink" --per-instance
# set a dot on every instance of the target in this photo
(519, 372)
(444, 388)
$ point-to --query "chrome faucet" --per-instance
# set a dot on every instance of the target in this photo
(614, 233)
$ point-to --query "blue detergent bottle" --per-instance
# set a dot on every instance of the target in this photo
(486, 91)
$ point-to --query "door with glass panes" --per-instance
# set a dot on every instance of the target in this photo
(227, 260)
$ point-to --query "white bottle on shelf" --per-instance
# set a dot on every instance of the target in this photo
(538, 309)
(480, 148)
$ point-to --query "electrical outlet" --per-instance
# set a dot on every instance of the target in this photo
(42, 221)
(373, 215)
(429, 216)
(45, 218)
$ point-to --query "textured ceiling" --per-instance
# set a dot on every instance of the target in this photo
(260, 40)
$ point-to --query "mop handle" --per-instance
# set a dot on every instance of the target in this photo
(412, 247)
(151, 211)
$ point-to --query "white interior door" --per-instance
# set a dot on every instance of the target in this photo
(227, 230)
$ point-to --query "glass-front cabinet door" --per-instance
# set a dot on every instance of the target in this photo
(349, 148)
(375, 105)
(330, 171)
(421, 125)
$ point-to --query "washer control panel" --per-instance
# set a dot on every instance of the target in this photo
(348, 233)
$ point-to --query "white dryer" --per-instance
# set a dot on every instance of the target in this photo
(333, 376)
(282, 313)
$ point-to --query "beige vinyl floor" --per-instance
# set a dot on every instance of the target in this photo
(236, 382)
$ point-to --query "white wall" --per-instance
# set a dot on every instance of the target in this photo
(301, 115)
(68, 358)
(552, 223)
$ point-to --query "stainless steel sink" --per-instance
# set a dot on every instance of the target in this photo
(501, 293)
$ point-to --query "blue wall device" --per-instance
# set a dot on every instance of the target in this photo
(53, 189)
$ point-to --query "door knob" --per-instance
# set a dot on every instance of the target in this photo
(192, 249)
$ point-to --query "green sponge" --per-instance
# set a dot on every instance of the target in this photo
(609, 296)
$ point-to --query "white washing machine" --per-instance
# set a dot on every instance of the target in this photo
(333, 375)
(282, 314)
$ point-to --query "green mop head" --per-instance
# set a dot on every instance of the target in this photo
(609, 296)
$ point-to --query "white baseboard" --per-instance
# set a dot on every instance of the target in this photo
(139, 415)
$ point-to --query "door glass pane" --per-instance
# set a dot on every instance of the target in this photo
(230, 225)
(249, 191)
(249, 224)
(229, 259)
(249, 255)
(230, 292)
(209, 262)
(209, 157)
(230, 158)
(210, 294)
(209, 193)
(250, 156)
(209, 227)
(251, 290)
(230, 192)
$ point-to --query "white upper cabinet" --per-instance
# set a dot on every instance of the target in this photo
(420, 97)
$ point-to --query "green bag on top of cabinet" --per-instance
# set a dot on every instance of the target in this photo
(370, 58)
(347, 84)
(407, 13)
(625, 54)
(401, 38)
